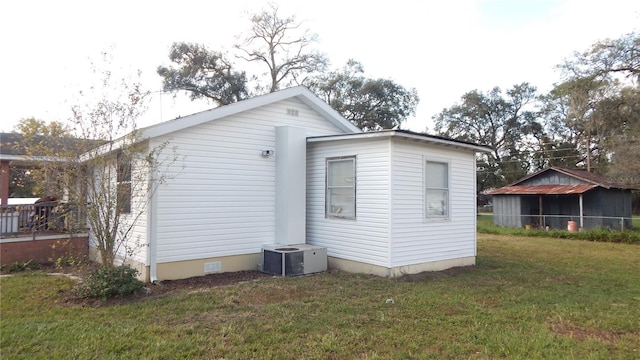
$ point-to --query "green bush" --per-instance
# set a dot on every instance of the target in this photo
(21, 266)
(109, 282)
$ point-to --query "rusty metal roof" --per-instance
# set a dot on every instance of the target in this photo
(582, 175)
(543, 189)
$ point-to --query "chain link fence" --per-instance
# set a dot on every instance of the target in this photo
(561, 222)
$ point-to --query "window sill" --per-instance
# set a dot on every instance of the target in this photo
(335, 217)
(437, 219)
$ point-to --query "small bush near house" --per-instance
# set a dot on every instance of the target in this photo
(20, 266)
(108, 282)
(64, 255)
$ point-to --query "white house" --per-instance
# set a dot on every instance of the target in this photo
(285, 168)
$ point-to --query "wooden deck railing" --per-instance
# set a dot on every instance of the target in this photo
(42, 218)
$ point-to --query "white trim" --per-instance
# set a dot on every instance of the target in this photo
(152, 226)
(300, 92)
(437, 160)
(401, 134)
(29, 158)
(391, 177)
(474, 171)
(327, 213)
(38, 237)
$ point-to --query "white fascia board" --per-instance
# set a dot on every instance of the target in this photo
(28, 158)
(305, 95)
(106, 148)
(328, 112)
(301, 92)
(401, 134)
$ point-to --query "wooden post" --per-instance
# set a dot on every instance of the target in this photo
(541, 219)
(581, 213)
(4, 182)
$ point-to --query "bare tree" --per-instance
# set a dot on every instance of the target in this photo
(281, 45)
(109, 171)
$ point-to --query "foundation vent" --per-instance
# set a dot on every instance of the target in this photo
(211, 267)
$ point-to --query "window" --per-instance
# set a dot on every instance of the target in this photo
(437, 189)
(124, 183)
(341, 188)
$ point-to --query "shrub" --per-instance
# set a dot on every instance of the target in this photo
(64, 255)
(21, 266)
(109, 282)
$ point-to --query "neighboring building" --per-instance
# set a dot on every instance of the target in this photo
(552, 197)
(285, 168)
(8, 154)
(14, 156)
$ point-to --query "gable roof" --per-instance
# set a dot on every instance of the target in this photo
(404, 134)
(592, 181)
(300, 92)
(583, 175)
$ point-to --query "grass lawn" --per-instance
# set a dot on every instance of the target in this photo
(485, 225)
(528, 298)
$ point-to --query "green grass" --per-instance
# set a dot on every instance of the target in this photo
(528, 298)
(631, 236)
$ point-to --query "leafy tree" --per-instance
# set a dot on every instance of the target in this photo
(583, 116)
(370, 104)
(203, 74)
(278, 43)
(599, 97)
(504, 122)
(624, 144)
(606, 58)
(46, 143)
(22, 183)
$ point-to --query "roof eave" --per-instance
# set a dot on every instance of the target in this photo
(299, 92)
(400, 134)
(28, 158)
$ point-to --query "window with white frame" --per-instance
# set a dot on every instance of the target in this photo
(437, 189)
(341, 188)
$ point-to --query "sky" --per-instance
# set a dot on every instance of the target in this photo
(443, 49)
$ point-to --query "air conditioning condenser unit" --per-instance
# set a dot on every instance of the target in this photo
(292, 260)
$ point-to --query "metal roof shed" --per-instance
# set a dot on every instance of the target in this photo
(554, 196)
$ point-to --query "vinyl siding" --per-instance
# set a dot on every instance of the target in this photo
(365, 239)
(137, 244)
(416, 239)
(134, 247)
(221, 201)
